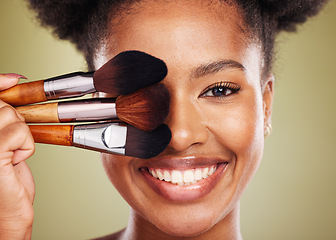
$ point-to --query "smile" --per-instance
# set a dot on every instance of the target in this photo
(183, 183)
(183, 178)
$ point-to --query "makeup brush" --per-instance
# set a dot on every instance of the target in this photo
(112, 138)
(145, 109)
(125, 73)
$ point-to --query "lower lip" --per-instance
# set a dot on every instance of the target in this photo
(178, 193)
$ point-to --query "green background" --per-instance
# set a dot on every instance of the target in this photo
(292, 196)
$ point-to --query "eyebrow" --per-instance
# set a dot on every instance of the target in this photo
(214, 67)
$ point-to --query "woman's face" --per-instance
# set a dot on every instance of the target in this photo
(217, 116)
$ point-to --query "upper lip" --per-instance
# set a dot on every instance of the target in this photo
(182, 163)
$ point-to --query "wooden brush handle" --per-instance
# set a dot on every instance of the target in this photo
(53, 134)
(40, 113)
(25, 93)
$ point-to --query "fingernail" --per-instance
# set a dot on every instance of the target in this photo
(14, 75)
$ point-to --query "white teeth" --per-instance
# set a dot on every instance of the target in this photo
(198, 174)
(166, 176)
(211, 171)
(188, 176)
(176, 177)
(154, 174)
(205, 172)
(160, 175)
(183, 178)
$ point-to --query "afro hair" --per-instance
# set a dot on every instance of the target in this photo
(84, 22)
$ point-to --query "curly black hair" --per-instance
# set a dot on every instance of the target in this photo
(84, 22)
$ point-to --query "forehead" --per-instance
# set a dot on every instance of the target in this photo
(188, 32)
(177, 17)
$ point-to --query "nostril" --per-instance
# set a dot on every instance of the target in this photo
(186, 134)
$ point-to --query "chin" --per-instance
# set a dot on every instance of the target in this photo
(186, 226)
(192, 220)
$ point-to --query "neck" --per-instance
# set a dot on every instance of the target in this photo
(139, 228)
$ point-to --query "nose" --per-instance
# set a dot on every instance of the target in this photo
(186, 125)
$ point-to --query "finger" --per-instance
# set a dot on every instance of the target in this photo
(8, 115)
(8, 80)
(17, 139)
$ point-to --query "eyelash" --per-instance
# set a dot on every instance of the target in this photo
(227, 88)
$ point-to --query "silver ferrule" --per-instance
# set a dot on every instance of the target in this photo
(105, 137)
(70, 85)
(87, 110)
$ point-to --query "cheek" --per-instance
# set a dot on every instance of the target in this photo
(122, 174)
(238, 126)
(110, 166)
(116, 168)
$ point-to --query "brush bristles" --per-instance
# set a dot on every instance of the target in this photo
(145, 109)
(128, 72)
(145, 145)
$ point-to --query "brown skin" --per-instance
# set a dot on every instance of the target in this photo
(229, 128)
(187, 36)
(17, 189)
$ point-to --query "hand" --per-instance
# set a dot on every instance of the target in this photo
(17, 188)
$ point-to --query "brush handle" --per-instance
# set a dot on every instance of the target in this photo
(40, 113)
(53, 134)
(70, 111)
(25, 93)
(101, 137)
(65, 86)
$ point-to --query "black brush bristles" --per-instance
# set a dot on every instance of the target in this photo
(128, 72)
(146, 108)
(142, 144)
